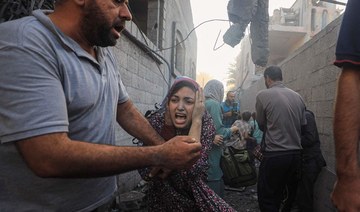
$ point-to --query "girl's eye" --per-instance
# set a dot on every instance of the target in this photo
(174, 100)
(190, 102)
(118, 2)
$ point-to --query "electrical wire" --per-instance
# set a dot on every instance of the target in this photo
(171, 47)
(217, 38)
(191, 31)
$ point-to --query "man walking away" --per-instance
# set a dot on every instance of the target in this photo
(281, 115)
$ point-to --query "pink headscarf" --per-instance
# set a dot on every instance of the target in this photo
(180, 79)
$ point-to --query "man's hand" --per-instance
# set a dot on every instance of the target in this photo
(346, 194)
(180, 152)
(228, 114)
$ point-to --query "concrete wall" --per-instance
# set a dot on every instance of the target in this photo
(179, 12)
(145, 75)
(142, 77)
(310, 72)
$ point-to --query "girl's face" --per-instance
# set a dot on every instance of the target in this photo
(181, 106)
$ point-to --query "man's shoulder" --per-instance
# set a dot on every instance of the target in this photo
(264, 92)
(291, 90)
(27, 32)
(22, 27)
(285, 89)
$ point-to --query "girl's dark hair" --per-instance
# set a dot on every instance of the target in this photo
(14, 9)
(246, 115)
(180, 85)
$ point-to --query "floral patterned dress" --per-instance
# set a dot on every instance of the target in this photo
(184, 190)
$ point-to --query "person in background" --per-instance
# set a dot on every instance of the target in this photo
(251, 141)
(214, 93)
(312, 163)
(239, 139)
(230, 109)
(256, 132)
(281, 115)
(61, 96)
(182, 113)
(346, 193)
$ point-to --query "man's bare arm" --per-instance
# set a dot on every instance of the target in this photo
(133, 122)
(347, 122)
(55, 155)
(346, 192)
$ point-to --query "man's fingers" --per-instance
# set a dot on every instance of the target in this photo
(190, 141)
(197, 147)
(180, 152)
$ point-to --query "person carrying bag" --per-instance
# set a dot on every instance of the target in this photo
(236, 162)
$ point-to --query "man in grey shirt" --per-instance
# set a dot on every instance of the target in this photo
(61, 95)
(281, 115)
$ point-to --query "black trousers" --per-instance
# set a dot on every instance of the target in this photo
(278, 175)
(305, 192)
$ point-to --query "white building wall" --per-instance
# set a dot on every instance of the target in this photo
(301, 7)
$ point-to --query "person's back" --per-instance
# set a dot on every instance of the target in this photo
(283, 110)
(281, 115)
(312, 163)
(310, 140)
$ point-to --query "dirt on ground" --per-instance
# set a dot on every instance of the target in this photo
(242, 201)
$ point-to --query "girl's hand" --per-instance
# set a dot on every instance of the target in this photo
(199, 107)
(218, 140)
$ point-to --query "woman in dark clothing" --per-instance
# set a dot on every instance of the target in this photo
(312, 163)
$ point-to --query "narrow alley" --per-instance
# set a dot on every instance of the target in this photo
(240, 200)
